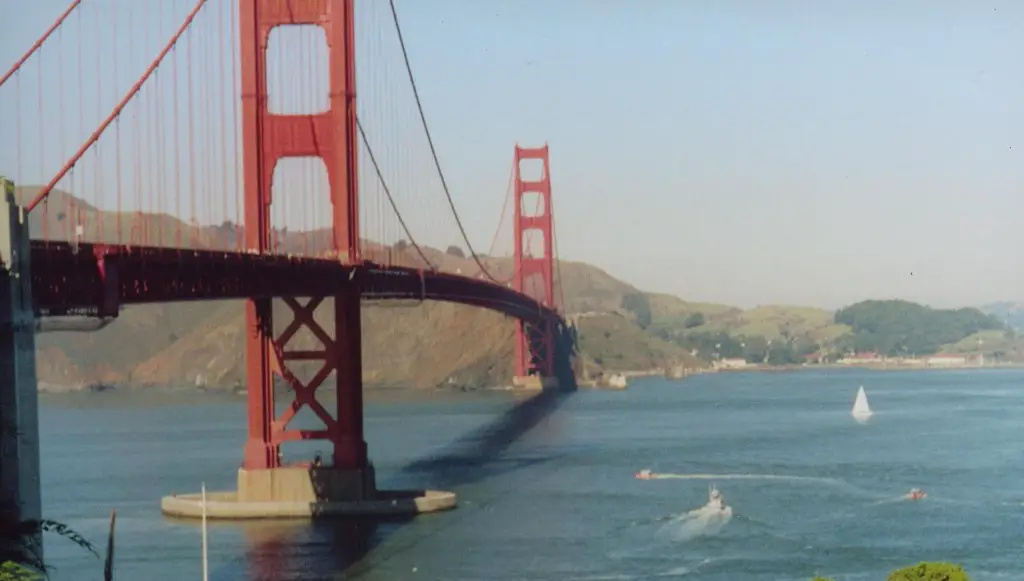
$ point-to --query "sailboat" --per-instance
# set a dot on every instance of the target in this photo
(861, 410)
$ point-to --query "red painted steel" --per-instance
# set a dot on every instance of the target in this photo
(39, 42)
(94, 280)
(534, 275)
(267, 138)
(45, 191)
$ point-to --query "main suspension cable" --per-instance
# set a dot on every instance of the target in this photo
(387, 192)
(433, 150)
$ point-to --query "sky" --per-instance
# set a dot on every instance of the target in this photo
(745, 152)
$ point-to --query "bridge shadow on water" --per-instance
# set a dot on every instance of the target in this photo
(478, 454)
(335, 548)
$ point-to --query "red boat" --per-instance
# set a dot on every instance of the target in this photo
(916, 494)
(644, 474)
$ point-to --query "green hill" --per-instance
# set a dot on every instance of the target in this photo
(1010, 312)
(791, 334)
(899, 327)
(425, 345)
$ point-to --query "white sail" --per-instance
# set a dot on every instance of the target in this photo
(861, 409)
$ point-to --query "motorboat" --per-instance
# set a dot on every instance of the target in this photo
(715, 499)
(644, 474)
(917, 494)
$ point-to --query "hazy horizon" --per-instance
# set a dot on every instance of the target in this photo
(737, 151)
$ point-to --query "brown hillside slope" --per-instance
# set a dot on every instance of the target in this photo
(616, 343)
(203, 343)
(420, 346)
(409, 344)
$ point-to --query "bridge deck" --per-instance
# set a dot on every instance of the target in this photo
(94, 280)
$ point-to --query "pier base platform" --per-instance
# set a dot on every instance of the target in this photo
(306, 492)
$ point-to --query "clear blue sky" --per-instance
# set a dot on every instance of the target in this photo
(748, 152)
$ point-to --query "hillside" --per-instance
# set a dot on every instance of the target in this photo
(404, 344)
(203, 343)
(673, 315)
(784, 333)
(437, 344)
(418, 345)
(900, 328)
(1010, 312)
(790, 335)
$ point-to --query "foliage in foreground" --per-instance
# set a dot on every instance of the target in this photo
(11, 571)
(20, 559)
(930, 572)
(923, 572)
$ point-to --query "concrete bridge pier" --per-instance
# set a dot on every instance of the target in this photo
(19, 414)
(346, 484)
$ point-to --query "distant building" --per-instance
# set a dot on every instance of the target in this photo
(731, 363)
(945, 360)
(863, 357)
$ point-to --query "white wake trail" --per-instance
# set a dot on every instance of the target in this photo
(670, 476)
(705, 521)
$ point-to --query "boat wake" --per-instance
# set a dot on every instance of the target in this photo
(705, 521)
(670, 476)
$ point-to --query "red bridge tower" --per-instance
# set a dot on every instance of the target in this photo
(266, 139)
(534, 269)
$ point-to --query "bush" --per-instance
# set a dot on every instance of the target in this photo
(924, 572)
(11, 571)
(929, 572)
(694, 320)
(640, 306)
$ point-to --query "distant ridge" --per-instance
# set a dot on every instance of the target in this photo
(621, 328)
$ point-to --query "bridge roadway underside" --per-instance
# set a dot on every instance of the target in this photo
(95, 280)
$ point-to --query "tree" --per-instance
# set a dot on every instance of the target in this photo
(694, 320)
(754, 349)
(781, 353)
(454, 250)
(640, 306)
(900, 327)
(803, 346)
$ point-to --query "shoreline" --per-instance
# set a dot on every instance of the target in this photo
(376, 394)
(754, 368)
